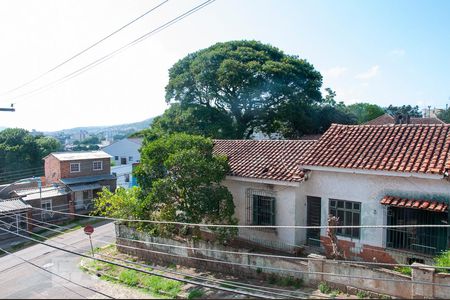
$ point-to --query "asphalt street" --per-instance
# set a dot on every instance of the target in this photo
(19, 279)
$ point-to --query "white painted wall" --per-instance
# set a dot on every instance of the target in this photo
(121, 172)
(289, 210)
(369, 190)
(124, 148)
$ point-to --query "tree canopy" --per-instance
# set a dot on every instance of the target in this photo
(249, 82)
(365, 112)
(445, 115)
(179, 180)
(412, 111)
(21, 153)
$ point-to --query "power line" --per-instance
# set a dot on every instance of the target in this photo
(243, 265)
(117, 51)
(232, 283)
(248, 226)
(136, 269)
(240, 253)
(84, 50)
(57, 275)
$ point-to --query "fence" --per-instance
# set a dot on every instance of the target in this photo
(341, 275)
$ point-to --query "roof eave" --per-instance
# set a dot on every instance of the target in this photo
(264, 181)
(375, 172)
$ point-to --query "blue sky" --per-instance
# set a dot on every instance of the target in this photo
(384, 52)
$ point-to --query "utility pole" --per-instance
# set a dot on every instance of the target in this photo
(11, 109)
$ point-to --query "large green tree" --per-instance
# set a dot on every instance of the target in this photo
(194, 119)
(21, 153)
(250, 82)
(365, 112)
(180, 178)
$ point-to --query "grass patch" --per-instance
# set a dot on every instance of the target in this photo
(152, 284)
(195, 293)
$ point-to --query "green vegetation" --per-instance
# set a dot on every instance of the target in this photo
(445, 115)
(365, 111)
(362, 294)
(237, 88)
(404, 270)
(153, 284)
(324, 288)
(412, 111)
(195, 293)
(443, 260)
(19, 150)
(180, 180)
(285, 281)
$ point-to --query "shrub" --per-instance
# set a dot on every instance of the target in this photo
(362, 294)
(324, 288)
(443, 260)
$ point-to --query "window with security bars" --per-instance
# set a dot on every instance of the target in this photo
(349, 214)
(263, 210)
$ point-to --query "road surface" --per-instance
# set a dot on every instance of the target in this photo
(22, 280)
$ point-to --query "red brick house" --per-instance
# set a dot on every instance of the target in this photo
(83, 174)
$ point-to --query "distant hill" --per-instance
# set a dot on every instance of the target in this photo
(99, 129)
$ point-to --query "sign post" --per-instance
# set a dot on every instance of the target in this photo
(89, 229)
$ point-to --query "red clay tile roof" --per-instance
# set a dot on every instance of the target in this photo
(388, 119)
(402, 148)
(264, 159)
(381, 120)
(414, 203)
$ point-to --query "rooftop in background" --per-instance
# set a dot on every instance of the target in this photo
(46, 192)
(66, 156)
(264, 159)
(412, 148)
(12, 205)
(388, 119)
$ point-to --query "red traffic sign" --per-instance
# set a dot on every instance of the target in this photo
(88, 229)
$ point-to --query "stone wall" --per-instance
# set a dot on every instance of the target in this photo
(346, 276)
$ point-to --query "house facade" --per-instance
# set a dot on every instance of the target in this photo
(365, 175)
(124, 154)
(266, 182)
(381, 175)
(84, 174)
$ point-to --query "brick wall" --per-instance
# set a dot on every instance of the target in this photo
(52, 169)
(86, 168)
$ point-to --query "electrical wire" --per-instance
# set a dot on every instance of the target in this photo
(84, 50)
(136, 269)
(59, 276)
(231, 283)
(242, 253)
(115, 52)
(248, 226)
(269, 268)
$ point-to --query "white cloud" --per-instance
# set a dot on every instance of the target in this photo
(335, 72)
(398, 52)
(371, 73)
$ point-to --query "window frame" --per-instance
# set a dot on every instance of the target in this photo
(75, 164)
(261, 211)
(346, 209)
(96, 162)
